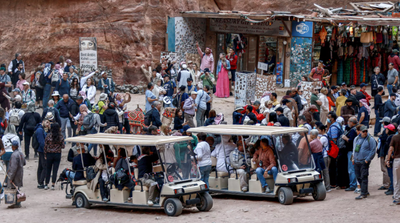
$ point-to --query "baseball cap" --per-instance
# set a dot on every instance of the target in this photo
(16, 90)
(333, 87)
(14, 143)
(352, 87)
(363, 85)
(363, 128)
(280, 109)
(391, 127)
(385, 119)
(393, 94)
(343, 84)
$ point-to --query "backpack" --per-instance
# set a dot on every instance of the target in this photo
(52, 110)
(333, 147)
(42, 80)
(14, 117)
(2, 130)
(31, 123)
(35, 142)
(88, 121)
(396, 119)
(55, 76)
(147, 117)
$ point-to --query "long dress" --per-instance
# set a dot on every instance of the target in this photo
(222, 90)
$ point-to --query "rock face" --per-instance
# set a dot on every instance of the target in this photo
(126, 30)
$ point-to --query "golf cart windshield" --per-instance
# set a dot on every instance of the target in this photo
(293, 152)
(179, 162)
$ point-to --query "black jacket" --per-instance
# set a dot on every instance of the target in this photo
(110, 116)
(283, 120)
(57, 114)
(88, 160)
(379, 106)
(155, 118)
(298, 101)
(178, 123)
(252, 117)
(23, 124)
(356, 103)
(145, 163)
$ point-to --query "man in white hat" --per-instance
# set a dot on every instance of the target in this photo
(106, 85)
(190, 108)
(28, 96)
(183, 75)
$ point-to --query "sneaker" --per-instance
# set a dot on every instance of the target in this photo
(329, 190)
(361, 197)
(389, 192)
(46, 187)
(396, 202)
(350, 189)
(150, 203)
(263, 190)
(40, 186)
(244, 189)
(15, 206)
(52, 187)
(383, 188)
(105, 200)
(267, 190)
(357, 191)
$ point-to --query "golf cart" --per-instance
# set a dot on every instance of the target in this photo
(293, 179)
(177, 190)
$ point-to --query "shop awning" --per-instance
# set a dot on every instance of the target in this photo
(238, 15)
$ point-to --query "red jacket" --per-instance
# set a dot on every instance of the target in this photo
(367, 96)
(260, 117)
(395, 60)
(232, 61)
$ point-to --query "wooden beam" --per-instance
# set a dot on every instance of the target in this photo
(287, 29)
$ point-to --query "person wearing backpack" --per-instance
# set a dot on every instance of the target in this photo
(96, 127)
(363, 152)
(40, 82)
(334, 132)
(47, 72)
(15, 115)
(348, 136)
(110, 116)
(38, 140)
(65, 107)
(27, 126)
(10, 135)
(28, 95)
(51, 109)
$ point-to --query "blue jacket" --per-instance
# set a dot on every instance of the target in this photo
(366, 151)
(110, 86)
(237, 118)
(155, 118)
(40, 136)
(64, 108)
(64, 87)
(390, 108)
(228, 66)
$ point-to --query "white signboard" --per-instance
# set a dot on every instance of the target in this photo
(88, 54)
(262, 66)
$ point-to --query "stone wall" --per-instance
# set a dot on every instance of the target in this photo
(126, 30)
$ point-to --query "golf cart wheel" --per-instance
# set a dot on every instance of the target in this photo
(81, 201)
(319, 192)
(285, 195)
(206, 202)
(173, 207)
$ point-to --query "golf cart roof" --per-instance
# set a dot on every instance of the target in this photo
(246, 130)
(127, 140)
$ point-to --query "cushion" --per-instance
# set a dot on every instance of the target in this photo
(213, 161)
(79, 182)
(220, 174)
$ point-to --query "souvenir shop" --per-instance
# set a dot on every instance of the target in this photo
(351, 51)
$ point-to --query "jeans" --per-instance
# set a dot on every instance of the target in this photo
(65, 123)
(103, 188)
(390, 173)
(390, 88)
(42, 167)
(70, 175)
(53, 163)
(362, 172)
(46, 94)
(350, 168)
(200, 117)
(260, 175)
(27, 136)
(377, 128)
(94, 146)
(205, 173)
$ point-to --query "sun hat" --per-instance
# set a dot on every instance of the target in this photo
(103, 96)
(55, 93)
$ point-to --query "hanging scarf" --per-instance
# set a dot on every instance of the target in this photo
(365, 104)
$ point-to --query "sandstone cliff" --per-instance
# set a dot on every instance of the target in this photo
(126, 30)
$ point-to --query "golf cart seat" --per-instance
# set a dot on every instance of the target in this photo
(255, 185)
(220, 174)
(79, 182)
(254, 176)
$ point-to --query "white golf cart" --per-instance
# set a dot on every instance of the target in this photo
(293, 179)
(176, 190)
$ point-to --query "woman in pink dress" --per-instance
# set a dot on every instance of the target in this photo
(223, 67)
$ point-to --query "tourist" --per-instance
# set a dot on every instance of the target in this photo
(223, 88)
(348, 136)
(54, 143)
(207, 59)
(392, 78)
(379, 110)
(363, 153)
(190, 108)
(317, 73)
(15, 170)
(106, 84)
(21, 81)
(377, 80)
(27, 126)
(150, 97)
(201, 102)
(75, 88)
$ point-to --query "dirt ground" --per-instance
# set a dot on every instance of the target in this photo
(339, 206)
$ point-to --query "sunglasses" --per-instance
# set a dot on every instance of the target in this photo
(365, 131)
